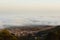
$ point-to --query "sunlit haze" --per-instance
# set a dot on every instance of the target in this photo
(19, 12)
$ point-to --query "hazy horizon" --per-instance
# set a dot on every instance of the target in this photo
(16, 12)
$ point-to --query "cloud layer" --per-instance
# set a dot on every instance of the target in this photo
(15, 11)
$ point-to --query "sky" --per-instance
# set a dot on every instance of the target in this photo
(15, 12)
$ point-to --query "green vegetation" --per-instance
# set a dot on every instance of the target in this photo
(5, 35)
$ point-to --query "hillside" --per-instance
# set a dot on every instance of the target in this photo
(33, 33)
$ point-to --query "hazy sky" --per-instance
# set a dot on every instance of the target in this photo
(14, 11)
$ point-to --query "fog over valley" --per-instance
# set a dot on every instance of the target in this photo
(29, 21)
(29, 12)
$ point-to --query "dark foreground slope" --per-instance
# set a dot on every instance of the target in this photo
(51, 34)
(46, 34)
